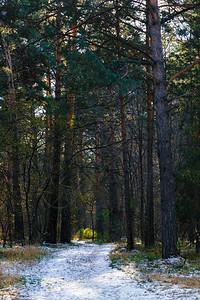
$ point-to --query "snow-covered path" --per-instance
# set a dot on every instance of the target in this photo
(83, 272)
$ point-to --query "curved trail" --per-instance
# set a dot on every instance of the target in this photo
(83, 272)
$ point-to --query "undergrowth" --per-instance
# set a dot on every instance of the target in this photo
(97, 242)
(7, 279)
(139, 255)
(149, 265)
(13, 255)
(22, 254)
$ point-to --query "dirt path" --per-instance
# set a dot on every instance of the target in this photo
(83, 272)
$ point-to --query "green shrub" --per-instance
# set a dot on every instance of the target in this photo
(86, 234)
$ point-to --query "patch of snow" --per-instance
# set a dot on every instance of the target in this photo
(175, 260)
(134, 251)
(121, 250)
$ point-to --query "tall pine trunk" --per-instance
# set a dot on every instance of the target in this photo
(149, 220)
(97, 191)
(55, 184)
(65, 234)
(140, 144)
(114, 222)
(48, 130)
(8, 193)
(168, 209)
(149, 224)
(129, 221)
(18, 213)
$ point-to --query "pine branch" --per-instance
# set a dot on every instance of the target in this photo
(175, 14)
(148, 74)
(184, 70)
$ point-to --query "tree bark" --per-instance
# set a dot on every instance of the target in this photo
(142, 218)
(149, 224)
(8, 194)
(53, 214)
(197, 237)
(129, 221)
(65, 235)
(48, 130)
(97, 192)
(19, 223)
(168, 202)
(114, 222)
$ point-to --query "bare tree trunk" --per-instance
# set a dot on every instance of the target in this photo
(168, 202)
(97, 192)
(53, 214)
(129, 221)
(6, 220)
(35, 187)
(65, 235)
(114, 222)
(48, 152)
(197, 237)
(142, 218)
(48, 131)
(19, 223)
(149, 224)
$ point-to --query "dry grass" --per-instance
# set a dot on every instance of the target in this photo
(22, 254)
(152, 268)
(7, 279)
(186, 282)
(119, 258)
(16, 255)
(122, 256)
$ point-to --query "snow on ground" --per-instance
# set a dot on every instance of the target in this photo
(82, 272)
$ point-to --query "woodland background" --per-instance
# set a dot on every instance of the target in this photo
(94, 97)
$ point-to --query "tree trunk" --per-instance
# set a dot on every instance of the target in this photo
(19, 223)
(129, 221)
(97, 192)
(114, 222)
(65, 235)
(8, 193)
(197, 238)
(48, 130)
(168, 209)
(53, 214)
(149, 224)
(142, 218)
(48, 152)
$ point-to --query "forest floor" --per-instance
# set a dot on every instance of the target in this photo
(84, 271)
